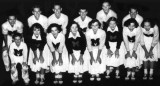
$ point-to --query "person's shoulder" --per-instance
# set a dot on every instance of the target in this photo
(64, 15)
(43, 16)
(76, 19)
(126, 17)
(113, 12)
(31, 17)
(100, 12)
(51, 16)
(88, 31)
(19, 22)
(89, 18)
(5, 24)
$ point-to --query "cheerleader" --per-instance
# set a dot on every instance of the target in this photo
(18, 55)
(37, 17)
(57, 52)
(106, 12)
(8, 28)
(150, 46)
(131, 37)
(76, 46)
(58, 18)
(83, 19)
(114, 46)
(37, 61)
(95, 44)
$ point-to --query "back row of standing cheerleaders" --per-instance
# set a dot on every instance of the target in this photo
(94, 45)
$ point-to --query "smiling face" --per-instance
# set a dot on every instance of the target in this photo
(106, 6)
(36, 12)
(112, 25)
(83, 13)
(36, 32)
(54, 31)
(17, 40)
(12, 20)
(147, 25)
(95, 26)
(133, 13)
(57, 10)
(131, 26)
(74, 28)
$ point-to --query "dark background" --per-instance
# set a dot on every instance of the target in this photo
(147, 8)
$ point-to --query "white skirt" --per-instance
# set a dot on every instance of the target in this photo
(56, 68)
(36, 67)
(132, 62)
(156, 50)
(114, 61)
(77, 68)
(96, 67)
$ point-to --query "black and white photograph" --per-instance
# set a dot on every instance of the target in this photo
(79, 43)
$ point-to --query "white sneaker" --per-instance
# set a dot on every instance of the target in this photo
(107, 77)
(55, 82)
(60, 82)
(36, 82)
(80, 81)
(98, 79)
(133, 78)
(117, 77)
(74, 81)
(126, 78)
(144, 77)
(150, 78)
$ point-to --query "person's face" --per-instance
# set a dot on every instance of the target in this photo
(57, 10)
(36, 12)
(106, 6)
(147, 26)
(133, 13)
(12, 20)
(54, 31)
(36, 32)
(74, 28)
(83, 13)
(17, 40)
(131, 26)
(112, 25)
(95, 26)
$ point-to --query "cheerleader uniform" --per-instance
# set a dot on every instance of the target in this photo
(131, 41)
(58, 45)
(9, 30)
(63, 20)
(37, 44)
(94, 43)
(150, 39)
(76, 45)
(18, 55)
(83, 23)
(113, 42)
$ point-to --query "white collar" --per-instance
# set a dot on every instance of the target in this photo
(109, 29)
(72, 36)
(34, 37)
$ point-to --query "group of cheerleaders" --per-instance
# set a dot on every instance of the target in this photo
(98, 49)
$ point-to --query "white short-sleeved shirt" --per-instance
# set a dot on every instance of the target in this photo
(63, 20)
(43, 20)
(138, 18)
(83, 24)
(102, 17)
(7, 27)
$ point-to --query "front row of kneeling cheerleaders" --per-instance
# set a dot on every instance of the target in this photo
(78, 52)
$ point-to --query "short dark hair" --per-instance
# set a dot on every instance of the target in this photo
(93, 21)
(38, 26)
(16, 34)
(54, 25)
(36, 6)
(79, 28)
(129, 21)
(111, 19)
(148, 20)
